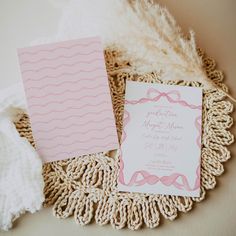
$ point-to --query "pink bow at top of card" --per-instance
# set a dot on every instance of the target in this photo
(68, 97)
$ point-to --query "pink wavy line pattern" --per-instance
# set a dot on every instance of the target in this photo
(146, 177)
(69, 82)
(110, 145)
(75, 125)
(57, 145)
(81, 116)
(60, 56)
(59, 48)
(69, 98)
(67, 118)
(70, 79)
(62, 65)
(91, 79)
(68, 95)
(81, 71)
(71, 108)
(63, 74)
(67, 91)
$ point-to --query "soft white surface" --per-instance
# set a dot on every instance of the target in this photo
(21, 180)
(214, 24)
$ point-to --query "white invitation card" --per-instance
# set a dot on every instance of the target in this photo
(161, 140)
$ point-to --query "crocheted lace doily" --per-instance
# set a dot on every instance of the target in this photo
(86, 187)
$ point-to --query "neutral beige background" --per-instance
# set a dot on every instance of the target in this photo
(214, 22)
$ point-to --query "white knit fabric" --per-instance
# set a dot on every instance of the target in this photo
(21, 181)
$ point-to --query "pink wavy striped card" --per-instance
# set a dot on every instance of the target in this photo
(68, 97)
(161, 140)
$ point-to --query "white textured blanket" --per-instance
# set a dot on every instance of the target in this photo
(21, 181)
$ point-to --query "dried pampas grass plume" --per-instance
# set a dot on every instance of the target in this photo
(153, 41)
(145, 32)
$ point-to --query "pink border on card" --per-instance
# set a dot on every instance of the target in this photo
(173, 97)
